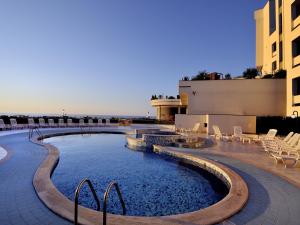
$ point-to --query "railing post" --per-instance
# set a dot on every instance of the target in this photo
(110, 186)
(77, 191)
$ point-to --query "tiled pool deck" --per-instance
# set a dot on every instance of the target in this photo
(272, 200)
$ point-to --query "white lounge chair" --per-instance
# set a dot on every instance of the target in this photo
(269, 136)
(42, 123)
(52, 123)
(70, 123)
(237, 133)
(280, 146)
(90, 122)
(31, 123)
(61, 123)
(194, 130)
(288, 137)
(100, 123)
(218, 134)
(3, 126)
(291, 154)
(81, 123)
(14, 124)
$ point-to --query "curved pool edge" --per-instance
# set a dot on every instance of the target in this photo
(62, 206)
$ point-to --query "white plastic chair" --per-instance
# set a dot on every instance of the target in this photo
(81, 123)
(61, 122)
(51, 123)
(70, 123)
(42, 123)
(100, 123)
(90, 122)
(14, 124)
(31, 123)
(3, 126)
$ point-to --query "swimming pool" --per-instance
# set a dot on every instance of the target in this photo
(150, 184)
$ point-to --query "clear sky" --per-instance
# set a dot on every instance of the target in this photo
(110, 56)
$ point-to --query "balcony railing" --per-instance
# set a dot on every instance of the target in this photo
(296, 60)
(296, 22)
(296, 99)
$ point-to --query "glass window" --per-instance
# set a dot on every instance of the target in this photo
(272, 16)
(274, 47)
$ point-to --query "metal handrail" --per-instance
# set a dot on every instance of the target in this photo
(77, 196)
(110, 186)
(31, 132)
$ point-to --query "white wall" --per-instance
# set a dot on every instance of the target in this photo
(188, 121)
(225, 122)
(260, 97)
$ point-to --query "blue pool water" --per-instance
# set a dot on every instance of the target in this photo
(150, 185)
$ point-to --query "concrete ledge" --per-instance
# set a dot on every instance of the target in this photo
(61, 205)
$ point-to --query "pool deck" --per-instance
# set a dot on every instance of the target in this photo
(274, 190)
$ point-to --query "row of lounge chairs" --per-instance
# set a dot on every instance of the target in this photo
(285, 150)
(51, 124)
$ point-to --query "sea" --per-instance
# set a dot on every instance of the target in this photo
(75, 115)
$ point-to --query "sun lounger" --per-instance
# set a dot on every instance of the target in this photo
(194, 130)
(52, 123)
(279, 146)
(90, 123)
(15, 125)
(81, 123)
(42, 123)
(269, 136)
(70, 123)
(100, 123)
(218, 134)
(288, 137)
(3, 126)
(61, 123)
(31, 123)
(291, 154)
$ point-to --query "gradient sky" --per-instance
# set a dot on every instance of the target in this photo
(110, 56)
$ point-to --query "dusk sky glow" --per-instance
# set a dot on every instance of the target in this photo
(109, 57)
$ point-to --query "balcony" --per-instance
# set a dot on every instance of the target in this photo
(296, 61)
(296, 22)
(166, 102)
(296, 99)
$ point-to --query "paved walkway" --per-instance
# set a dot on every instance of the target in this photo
(272, 200)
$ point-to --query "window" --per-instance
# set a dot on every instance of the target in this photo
(274, 66)
(274, 47)
(295, 9)
(280, 23)
(296, 47)
(279, 3)
(272, 16)
(280, 52)
(296, 86)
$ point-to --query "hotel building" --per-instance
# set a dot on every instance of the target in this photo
(278, 45)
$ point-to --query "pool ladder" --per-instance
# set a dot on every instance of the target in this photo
(32, 131)
(92, 189)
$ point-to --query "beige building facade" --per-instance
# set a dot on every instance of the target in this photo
(229, 103)
(278, 45)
